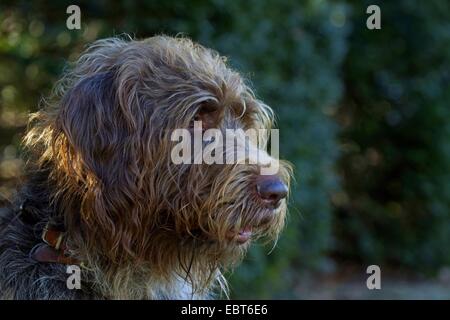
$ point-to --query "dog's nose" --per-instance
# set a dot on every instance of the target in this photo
(271, 189)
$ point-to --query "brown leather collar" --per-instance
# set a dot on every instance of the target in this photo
(54, 248)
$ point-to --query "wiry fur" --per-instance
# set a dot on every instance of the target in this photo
(99, 166)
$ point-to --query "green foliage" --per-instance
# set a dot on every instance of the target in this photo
(397, 138)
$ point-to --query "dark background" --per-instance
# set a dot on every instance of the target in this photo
(364, 116)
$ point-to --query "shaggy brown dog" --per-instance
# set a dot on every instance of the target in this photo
(103, 193)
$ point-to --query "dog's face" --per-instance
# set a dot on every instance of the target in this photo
(110, 139)
(226, 203)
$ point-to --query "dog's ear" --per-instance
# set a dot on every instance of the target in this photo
(96, 154)
(87, 126)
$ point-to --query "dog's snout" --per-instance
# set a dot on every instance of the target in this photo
(271, 189)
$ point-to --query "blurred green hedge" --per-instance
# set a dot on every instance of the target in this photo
(396, 136)
(363, 115)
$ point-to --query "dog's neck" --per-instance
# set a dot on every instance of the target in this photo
(98, 279)
(143, 284)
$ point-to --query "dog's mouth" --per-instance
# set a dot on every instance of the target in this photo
(242, 230)
(242, 236)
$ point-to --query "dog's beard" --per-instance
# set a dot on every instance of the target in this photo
(224, 241)
(229, 210)
(228, 214)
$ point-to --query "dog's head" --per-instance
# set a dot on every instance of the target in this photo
(110, 139)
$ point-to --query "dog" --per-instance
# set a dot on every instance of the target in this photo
(102, 194)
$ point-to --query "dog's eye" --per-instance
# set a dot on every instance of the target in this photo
(208, 114)
(207, 108)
